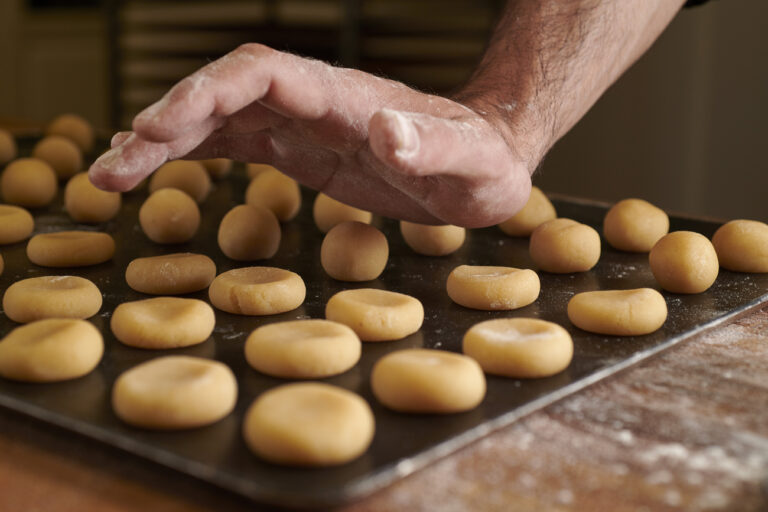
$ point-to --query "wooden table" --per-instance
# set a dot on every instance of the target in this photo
(687, 430)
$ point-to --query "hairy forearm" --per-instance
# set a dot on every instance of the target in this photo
(550, 60)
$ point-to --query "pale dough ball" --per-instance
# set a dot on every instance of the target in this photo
(28, 182)
(257, 291)
(217, 167)
(428, 381)
(684, 262)
(492, 288)
(169, 216)
(63, 155)
(170, 274)
(88, 204)
(37, 298)
(536, 212)
(248, 233)
(328, 212)
(16, 224)
(253, 170)
(309, 424)
(175, 392)
(8, 149)
(50, 350)
(275, 191)
(618, 312)
(519, 347)
(189, 176)
(376, 315)
(432, 240)
(634, 225)
(75, 128)
(562, 246)
(353, 251)
(70, 248)
(742, 246)
(303, 349)
(163, 322)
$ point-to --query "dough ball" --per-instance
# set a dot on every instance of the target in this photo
(618, 312)
(8, 149)
(376, 315)
(37, 298)
(163, 322)
(50, 350)
(249, 233)
(536, 212)
(169, 216)
(175, 392)
(353, 251)
(428, 381)
(16, 224)
(684, 262)
(519, 347)
(28, 182)
(75, 128)
(492, 288)
(309, 424)
(303, 349)
(432, 240)
(189, 176)
(275, 191)
(562, 246)
(70, 248)
(87, 204)
(170, 274)
(634, 225)
(253, 170)
(217, 167)
(257, 291)
(328, 212)
(63, 155)
(742, 246)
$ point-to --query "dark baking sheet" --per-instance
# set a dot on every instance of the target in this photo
(403, 443)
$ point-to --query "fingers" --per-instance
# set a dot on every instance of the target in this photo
(119, 138)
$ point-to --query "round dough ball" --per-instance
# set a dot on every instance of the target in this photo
(257, 291)
(16, 224)
(536, 212)
(634, 225)
(37, 298)
(275, 191)
(175, 392)
(253, 170)
(432, 240)
(163, 322)
(303, 349)
(169, 216)
(376, 315)
(519, 347)
(684, 262)
(428, 381)
(562, 246)
(189, 176)
(217, 167)
(328, 212)
(742, 246)
(28, 182)
(88, 204)
(75, 128)
(170, 274)
(8, 149)
(492, 288)
(309, 424)
(63, 155)
(50, 350)
(618, 312)
(248, 233)
(353, 251)
(70, 248)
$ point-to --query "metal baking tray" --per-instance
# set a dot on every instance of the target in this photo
(403, 443)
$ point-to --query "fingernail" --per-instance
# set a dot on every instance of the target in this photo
(406, 136)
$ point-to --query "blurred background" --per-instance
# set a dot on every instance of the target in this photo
(684, 128)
